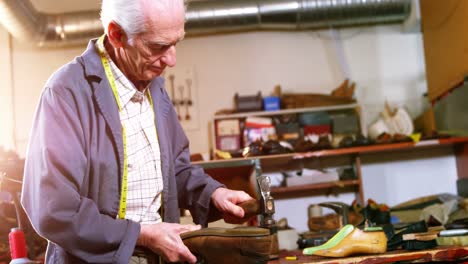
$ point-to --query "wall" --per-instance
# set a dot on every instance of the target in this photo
(31, 69)
(386, 64)
(6, 96)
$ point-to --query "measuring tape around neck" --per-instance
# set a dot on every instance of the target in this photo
(110, 77)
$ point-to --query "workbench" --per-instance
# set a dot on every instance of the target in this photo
(439, 254)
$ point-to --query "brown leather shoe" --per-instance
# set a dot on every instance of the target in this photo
(384, 138)
(303, 145)
(401, 138)
(250, 245)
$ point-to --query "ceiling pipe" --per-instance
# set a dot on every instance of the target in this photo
(208, 17)
(26, 23)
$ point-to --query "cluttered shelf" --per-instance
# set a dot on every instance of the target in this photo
(293, 161)
(434, 143)
(286, 111)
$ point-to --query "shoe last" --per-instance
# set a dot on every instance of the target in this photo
(350, 241)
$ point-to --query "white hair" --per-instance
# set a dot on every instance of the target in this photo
(128, 14)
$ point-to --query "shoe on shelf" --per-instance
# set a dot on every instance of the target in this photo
(273, 147)
(346, 142)
(361, 140)
(384, 138)
(324, 142)
(398, 138)
(304, 145)
(254, 149)
(351, 241)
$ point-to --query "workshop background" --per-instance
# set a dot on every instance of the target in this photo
(385, 60)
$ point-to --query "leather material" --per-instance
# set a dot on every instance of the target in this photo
(249, 245)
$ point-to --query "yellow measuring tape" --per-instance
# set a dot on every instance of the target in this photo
(110, 77)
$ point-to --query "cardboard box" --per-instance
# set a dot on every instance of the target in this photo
(444, 26)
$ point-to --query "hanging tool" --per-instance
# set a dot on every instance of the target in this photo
(187, 112)
(171, 79)
(189, 102)
(180, 101)
(189, 88)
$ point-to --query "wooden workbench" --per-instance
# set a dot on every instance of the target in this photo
(440, 254)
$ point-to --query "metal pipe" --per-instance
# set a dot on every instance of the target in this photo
(209, 17)
(23, 21)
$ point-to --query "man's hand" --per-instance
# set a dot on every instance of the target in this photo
(226, 202)
(164, 239)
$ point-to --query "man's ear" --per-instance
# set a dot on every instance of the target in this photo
(116, 35)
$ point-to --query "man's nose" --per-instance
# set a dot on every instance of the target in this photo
(169, 57)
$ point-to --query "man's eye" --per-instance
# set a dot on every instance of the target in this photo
(155, 47)
(159, 47)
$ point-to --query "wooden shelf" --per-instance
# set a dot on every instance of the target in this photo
(291, 161)
(325, 188)
(287, 111)
(377, 148)
(454, 254)
(436, 143)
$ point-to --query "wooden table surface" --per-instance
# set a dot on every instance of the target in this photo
(441, 254)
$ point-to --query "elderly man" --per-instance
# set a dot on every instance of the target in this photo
(108, 164)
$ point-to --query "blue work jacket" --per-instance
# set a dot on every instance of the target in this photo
(74, 166)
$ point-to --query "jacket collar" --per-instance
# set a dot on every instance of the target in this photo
(94, 73)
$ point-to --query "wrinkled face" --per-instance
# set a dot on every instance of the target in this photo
(149, 53)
